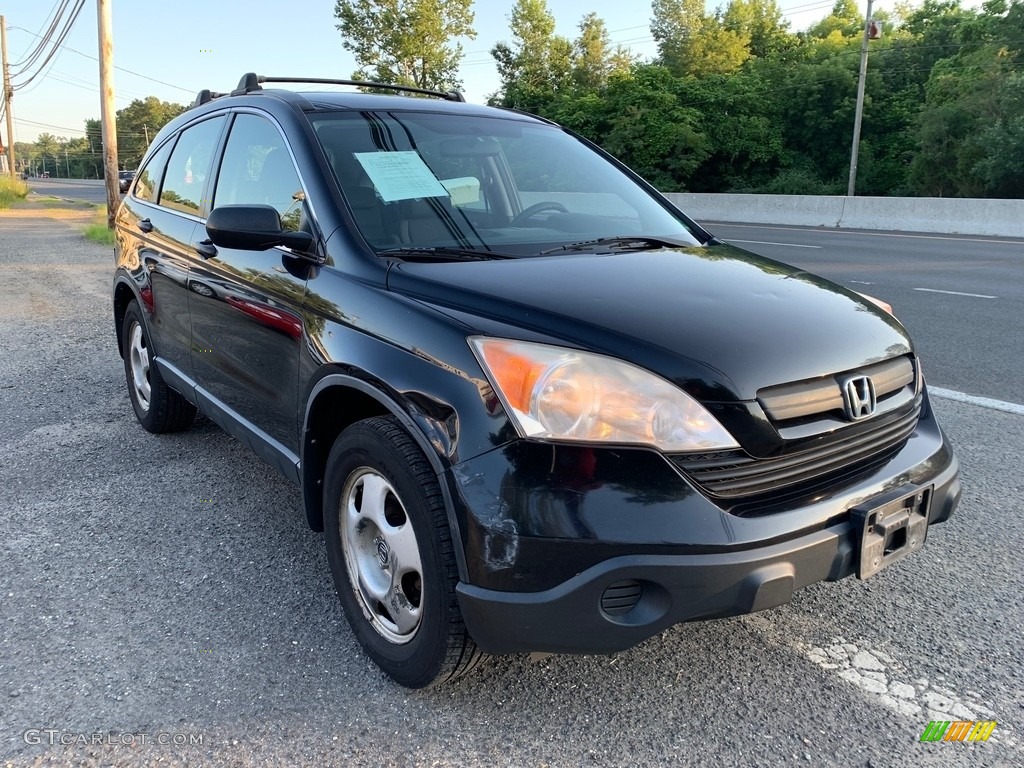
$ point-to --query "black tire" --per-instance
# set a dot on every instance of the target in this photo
(165, 410)
(378, 453)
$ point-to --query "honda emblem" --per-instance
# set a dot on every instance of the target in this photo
(858, 397)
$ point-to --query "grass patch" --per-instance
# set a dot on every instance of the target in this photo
(11, 190)
(98, 231)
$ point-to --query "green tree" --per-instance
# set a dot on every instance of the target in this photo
(537, 64)
(1001, 169)
(845, 20)
(692, 42)
(968, 131)
(593, 54)
(406, 42)
(651, 131)
(761, 22)
(137, 124)
(747, 145)
(47, 147)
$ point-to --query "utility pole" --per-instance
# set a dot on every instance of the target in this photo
(8, 95)
(67, 162)
(859, 114)
(146, 129)
(107, 113)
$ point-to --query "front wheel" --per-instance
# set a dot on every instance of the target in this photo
(391, 554)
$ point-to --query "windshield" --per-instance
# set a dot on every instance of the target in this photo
(428, 180)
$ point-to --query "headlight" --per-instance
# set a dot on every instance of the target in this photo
(566, 394)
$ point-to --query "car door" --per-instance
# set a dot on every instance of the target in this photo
(158, 220)
(246, 306)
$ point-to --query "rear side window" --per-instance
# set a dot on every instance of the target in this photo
(258, 169)
(189, 167)
(149, 178)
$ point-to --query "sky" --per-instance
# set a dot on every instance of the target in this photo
(172, 50)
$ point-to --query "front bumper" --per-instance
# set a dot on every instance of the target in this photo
(556, 564)
(585, 613)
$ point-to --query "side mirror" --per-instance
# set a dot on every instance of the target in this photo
(252, 228)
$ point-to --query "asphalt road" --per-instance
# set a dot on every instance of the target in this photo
(90, 191)
(961, 296)
(167, 587)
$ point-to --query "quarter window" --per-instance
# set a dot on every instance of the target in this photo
(257, 169)
(189, 166)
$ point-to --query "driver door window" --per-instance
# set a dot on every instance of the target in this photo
(257, 169)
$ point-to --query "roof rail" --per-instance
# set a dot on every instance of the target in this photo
(252, 81)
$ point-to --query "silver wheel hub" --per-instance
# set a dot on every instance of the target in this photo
(382, 555)
(138, 359)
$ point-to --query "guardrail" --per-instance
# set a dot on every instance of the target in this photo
(948, 215)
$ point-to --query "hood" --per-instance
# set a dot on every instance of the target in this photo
(717, 321)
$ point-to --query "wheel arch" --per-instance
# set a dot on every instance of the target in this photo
(123, 296)
(335, 402)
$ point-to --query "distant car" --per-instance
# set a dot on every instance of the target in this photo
(124, 180)
(44, 175)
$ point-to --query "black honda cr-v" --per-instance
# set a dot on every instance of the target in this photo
(531, 404)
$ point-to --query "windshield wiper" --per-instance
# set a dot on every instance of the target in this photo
(433, 253)
(624, 243)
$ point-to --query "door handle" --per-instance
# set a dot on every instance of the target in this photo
(145, 225)
(205, 248)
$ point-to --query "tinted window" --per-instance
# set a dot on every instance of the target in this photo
(189, 166)
(257, 169)
(149, 179)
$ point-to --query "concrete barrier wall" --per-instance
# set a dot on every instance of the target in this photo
(1000, 218)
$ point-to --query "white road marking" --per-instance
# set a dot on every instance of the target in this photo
(957, 293)
(885, 680)
(872, 233)
(762, 242)
(861, 282)
(984, 402)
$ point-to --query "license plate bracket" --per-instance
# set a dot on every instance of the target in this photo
(891, 527)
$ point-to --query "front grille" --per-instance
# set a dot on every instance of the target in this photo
(737, 475)
(818, 446)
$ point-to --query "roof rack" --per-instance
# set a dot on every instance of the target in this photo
(252, 82)
(206, 96)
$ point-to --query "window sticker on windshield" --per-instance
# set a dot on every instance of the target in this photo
(400, 175)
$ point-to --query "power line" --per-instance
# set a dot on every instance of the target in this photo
(26, 60)
(130, 134)
(68, 25)
(122, 69)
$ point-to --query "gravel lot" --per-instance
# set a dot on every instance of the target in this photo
(167, 587)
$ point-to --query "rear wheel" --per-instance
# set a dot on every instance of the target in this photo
(157, 407)
(392, 556)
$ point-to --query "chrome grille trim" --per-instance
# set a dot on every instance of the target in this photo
(817, 397)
